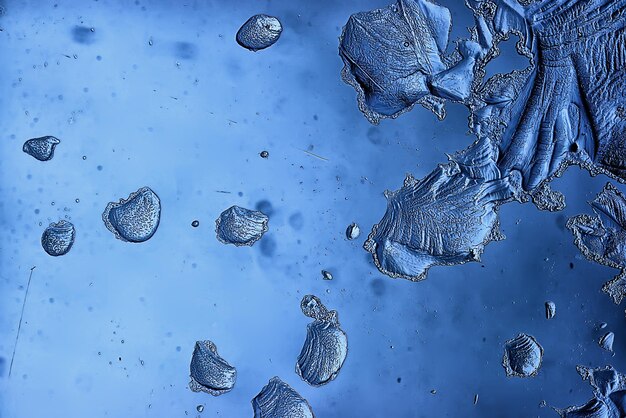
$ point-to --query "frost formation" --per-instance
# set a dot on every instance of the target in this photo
(566, 108)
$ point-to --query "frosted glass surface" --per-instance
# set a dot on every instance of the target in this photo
(159, 94)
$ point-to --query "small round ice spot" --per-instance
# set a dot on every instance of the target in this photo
(58, 238)
(353, 231)
(240, 226)
(259, 32)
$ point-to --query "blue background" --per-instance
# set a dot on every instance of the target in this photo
(109, 329)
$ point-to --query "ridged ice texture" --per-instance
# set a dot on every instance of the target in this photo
(522, 356)
(41, 148)
(602, 238)
(609, 390)
(240, 226)
(389, 54)
(209, 372)
(445, 218)
(278, 400)
(58, 238)
(136, 218)
(326, 345)
(259, 32)
(567, 107)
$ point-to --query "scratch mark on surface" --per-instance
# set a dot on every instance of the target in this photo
(19, 327)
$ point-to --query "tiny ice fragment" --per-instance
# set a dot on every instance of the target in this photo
(136, 218)
(209, 372)
(353, 231)
(550, 309)
(278, 400)
(58, 238)
(41, 148)
(240, 226)
(326, 275)
(259, 32)
(264, 154)
(522, 356)
(326, 345)
(606, 341)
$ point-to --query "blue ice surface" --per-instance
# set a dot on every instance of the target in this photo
(162, 95)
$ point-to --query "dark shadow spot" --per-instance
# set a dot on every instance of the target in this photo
(268, 246)
(185, 50)
(378, 287)
(374, 135)
(296, 221)
(265, 206)
(83, 35)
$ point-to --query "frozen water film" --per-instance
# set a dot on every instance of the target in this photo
(196, 196)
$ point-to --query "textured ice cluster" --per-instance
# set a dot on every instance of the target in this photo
(609, 395)
(567, 107)
(326, 345)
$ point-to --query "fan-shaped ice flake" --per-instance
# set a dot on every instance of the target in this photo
(445, 218)
(278, 400)
(136, 218)
(209, 372)
(522, 356)
(326, 345)
(240, 226)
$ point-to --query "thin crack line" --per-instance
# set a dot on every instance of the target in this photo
(19, 327)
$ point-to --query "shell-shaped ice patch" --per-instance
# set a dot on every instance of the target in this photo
(278, 400)
(209, 372)
(41, 148)
(58, 238)
(240, 226)
(259, 32)
(522, 356)
(390, 54)
(135, 219)
(446, 218)
(323, 353)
